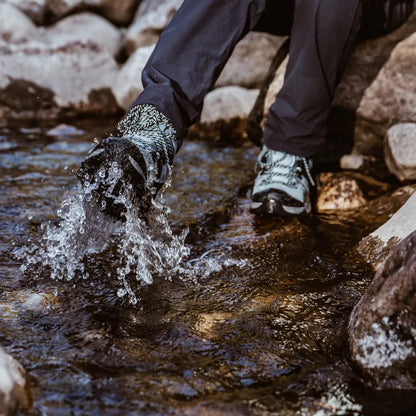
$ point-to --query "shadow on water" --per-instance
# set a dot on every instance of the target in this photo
(252, 323)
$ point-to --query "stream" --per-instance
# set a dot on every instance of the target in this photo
(213, 312)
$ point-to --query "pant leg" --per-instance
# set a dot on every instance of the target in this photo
(191, 53)
(323, 35)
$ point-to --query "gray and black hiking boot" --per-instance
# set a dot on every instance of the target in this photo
(143, 156)
(283, 184)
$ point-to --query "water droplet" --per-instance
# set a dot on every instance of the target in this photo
(121, 292)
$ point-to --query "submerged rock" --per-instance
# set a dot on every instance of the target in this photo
(383, 324)
(15, 392)
(338, 192)
(376, 246)
(400, 151)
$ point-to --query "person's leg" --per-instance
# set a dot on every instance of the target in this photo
(191, 53)
(323, 35)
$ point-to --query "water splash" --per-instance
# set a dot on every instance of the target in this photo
(145, 247)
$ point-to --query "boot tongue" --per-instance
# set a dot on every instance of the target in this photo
(284, 158)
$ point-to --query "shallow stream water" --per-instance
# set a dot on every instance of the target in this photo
(253, 322)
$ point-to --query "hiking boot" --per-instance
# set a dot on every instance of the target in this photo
(143, 158)
(283, 184)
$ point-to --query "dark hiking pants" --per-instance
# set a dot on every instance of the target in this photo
(197, 43)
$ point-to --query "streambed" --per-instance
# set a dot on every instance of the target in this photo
(253, 323)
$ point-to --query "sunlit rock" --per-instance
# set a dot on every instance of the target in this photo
(120, 11)
(35, 9)
(85, 27)
(250, 60)
(376, 246)
(400, 151)
(46, 82)
(150, 20)
(15, 26)
(128, 84)
(15, 392)
(383, 324)
(225, 112)
(338, 192)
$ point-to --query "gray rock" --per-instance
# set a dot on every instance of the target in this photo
(400, 151)
(352, 161)
(250, 61)
(389, 100)
(120, 11)
(337, 192)
(225, 112)
(382, 327)
(45, 82)
(85, 27)
(128, 84)
(35, 9)
(15, 392)
(150, 20)
(15, 26)
(376, 246)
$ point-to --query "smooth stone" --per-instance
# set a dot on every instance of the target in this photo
(400, 151)
(34, 9)
(352, 161)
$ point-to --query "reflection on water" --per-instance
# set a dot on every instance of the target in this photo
(243, 315)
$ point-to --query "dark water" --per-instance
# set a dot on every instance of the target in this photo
(253, 324)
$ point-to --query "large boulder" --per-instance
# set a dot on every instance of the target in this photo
(15, 26)
(15, 391)
(85, 27)
(150, 20)
(400, 150)
(46, 82)
(35, 9)
(250, 60)
(376, 246)
(119, 12)
(390, 99)
(128, 84)
(225, 112)
(382, 327)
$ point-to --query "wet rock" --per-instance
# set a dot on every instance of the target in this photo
(85, 27)
(376, 246)
(120, 12)
(338, 192)
(225, 112)
(250, 61)
(64, 130)
(128, 84)
(150, 20)
(34, 9)
(16, 27)
(15, 392)
(383, 324)
(400, 151)
(76, 78)
(389, 99)
(352, 161)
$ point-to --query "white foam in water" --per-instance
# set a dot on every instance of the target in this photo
(144, 249)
